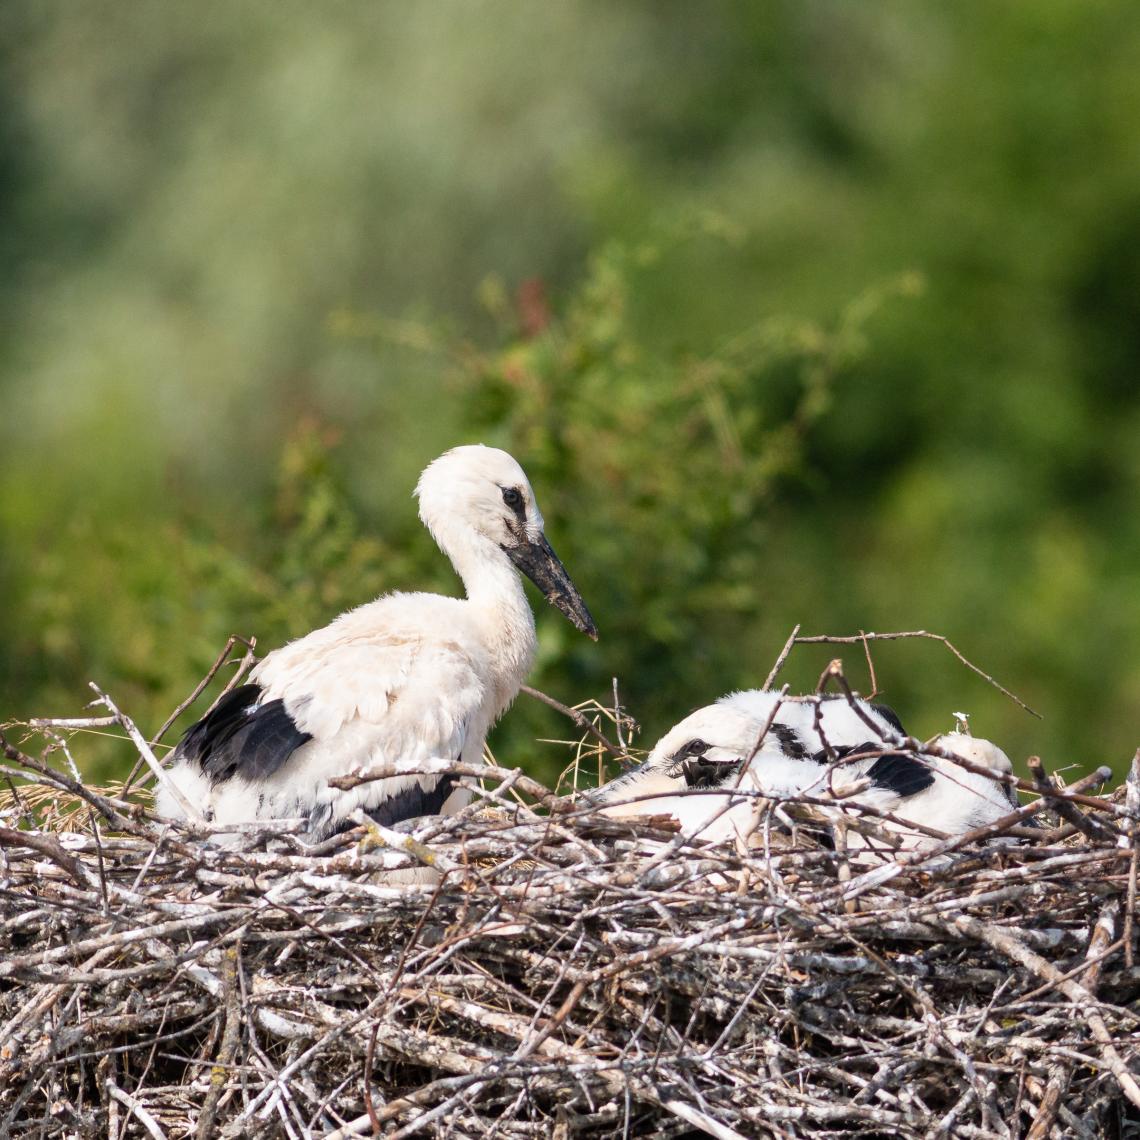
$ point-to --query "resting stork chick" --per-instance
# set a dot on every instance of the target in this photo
(762, 743)
(410, 677)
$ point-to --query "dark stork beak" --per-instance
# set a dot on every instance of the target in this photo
(541, 565)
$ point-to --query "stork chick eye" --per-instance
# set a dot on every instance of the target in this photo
(692, 750)
(512, 496)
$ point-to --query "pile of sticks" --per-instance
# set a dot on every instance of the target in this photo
(563, 975)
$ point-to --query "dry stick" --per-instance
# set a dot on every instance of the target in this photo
(1089, 965)
(765, 729)
(401, 1105)
(147, 753)
(1004, 942)
(144, 1117)
(834, 672)
(1049, 1102)
(26, 811)
(560, 1015)
(46, 845)
(1047, 788)
(399, 841)
(579, 718)
(789, 645)
(863, 638)
(243, 667)
(246, 661)
(477, 771)
(619, 718)
(1099, 938)
(94, 821)
(231, 1035)
(373, 1119)
(701, 1120)
(1132, 801)
(870, 665)
(73, 721)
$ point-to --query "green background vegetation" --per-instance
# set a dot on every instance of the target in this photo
(794, 312)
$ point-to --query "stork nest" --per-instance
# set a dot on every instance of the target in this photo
(567, 976)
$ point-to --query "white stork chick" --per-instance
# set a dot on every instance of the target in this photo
(409, 678)
(985, 754)
(772, 746)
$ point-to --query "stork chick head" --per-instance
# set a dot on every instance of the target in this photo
(704, 753)
(707, 747)
(977, 751)
(480, 494)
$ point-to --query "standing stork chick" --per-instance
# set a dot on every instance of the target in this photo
(410, 677)
(764, 744)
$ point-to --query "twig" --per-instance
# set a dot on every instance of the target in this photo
(1056, 800)
(369, 1104)
(145, 751)
(578, 717)
(774, 672)
(618, 717)
(1132, 801)
(244, 665)
(46, 845)
(1049, 1102)
(136, 1109)
(862, 639)
(73, 722)
(442, 767)
(376, 832)
(700, 1120)
(231, 1035)
(870, 665)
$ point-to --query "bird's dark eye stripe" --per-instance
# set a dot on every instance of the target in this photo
(513, 497)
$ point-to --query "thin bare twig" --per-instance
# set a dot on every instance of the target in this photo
(863, 637)
(136, 1109)
(784, 653)
(579, 718)
(245, 663)
(147, 754)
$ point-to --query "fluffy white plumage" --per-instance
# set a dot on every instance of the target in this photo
(824, 749)
(409, 678)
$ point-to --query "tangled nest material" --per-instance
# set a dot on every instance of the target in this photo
(569, 975)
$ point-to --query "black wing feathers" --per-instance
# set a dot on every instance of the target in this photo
(905, 775)
(891, 717)
(789, 739)
(412, 802)
(900, 772)
(240, 737)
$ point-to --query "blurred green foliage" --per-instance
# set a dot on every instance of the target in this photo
(795, 312)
